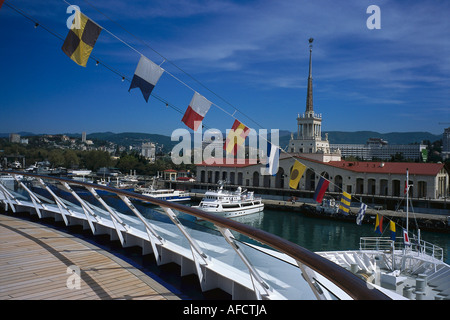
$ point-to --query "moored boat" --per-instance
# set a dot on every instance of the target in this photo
(405, 267)
(328, 206)
(167, 194)
(231, 204)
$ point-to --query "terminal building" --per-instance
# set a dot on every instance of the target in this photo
(376, 178)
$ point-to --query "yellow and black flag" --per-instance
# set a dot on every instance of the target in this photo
(81, 39)
(344, 206)
(296, 174)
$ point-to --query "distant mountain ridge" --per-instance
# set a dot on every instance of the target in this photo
(361, 137)
(334, 137)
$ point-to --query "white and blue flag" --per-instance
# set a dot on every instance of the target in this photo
(361, 213)
(273, 159)
(146, 76)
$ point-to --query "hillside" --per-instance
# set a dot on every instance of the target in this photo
(133, 138)
(359, 137)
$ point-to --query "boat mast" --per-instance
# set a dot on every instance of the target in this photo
(407, 200)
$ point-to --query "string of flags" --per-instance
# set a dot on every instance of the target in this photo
(80, 42)
(78, 46)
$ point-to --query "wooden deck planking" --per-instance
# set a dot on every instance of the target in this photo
(34, 261)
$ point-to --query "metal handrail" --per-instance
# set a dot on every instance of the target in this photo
(344, 279)
(386, 243)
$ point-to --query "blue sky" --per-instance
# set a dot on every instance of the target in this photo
(250, 55)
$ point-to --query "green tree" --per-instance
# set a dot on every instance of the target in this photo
(56, 157)
(71, 159)
(93, 160)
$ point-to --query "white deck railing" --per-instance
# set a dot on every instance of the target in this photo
(170, 231)
(416, 246)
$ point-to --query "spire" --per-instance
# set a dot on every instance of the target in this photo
(309, 96)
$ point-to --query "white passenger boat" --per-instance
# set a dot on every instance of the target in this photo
(79, 172)
(167, 194)
(231, 204)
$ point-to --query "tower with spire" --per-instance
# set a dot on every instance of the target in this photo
(309, 142)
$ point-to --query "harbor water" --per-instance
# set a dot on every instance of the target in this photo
(317, 234)
(314, 234)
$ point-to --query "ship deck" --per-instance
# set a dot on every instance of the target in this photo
(36, 263)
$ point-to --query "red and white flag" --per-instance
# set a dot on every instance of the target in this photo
(406, 237)
(196, 111)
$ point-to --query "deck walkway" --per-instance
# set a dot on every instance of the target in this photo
(36, 264)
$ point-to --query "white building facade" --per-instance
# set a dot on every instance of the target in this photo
(148, 150)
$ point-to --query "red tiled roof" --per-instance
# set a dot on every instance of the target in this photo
(184, 178)
(430, 169)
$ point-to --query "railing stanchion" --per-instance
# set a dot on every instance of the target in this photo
(87, 211)
(58, 201)
(312, 283)
(260, 287)
(152, 234)
(9, 198)
(34, 199)
(114, 217)
(196, 251)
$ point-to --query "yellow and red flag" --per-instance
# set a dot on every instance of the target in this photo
(236, 137)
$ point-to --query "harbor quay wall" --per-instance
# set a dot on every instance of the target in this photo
(376, 202)
(426, 211)
(426, 221)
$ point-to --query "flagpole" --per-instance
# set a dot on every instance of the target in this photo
(407, 200)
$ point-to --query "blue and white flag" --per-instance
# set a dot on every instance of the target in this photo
(361, 213)
(146, 76)
(273, 159)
